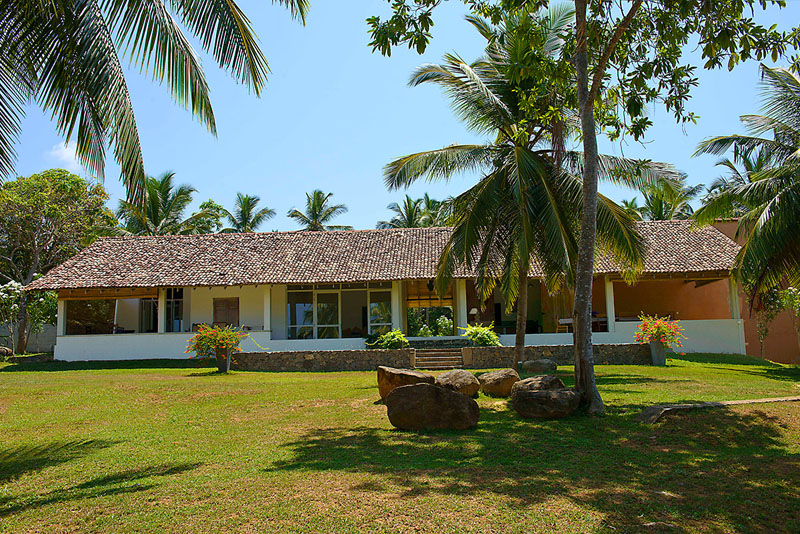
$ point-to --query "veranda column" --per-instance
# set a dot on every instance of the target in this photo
(397, 309)
(611, 313)
(61, 317)
(268, 311)
(162, 310)
(461, 305)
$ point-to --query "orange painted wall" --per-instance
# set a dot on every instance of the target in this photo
(781, 345)
(680, 299)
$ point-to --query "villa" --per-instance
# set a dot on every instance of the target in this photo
(142, 297)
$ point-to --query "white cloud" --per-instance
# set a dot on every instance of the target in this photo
(64, 155)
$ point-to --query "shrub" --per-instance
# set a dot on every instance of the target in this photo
(208, 339)
(482, 336)
(444, 326)
(662, 329)
(393, 339)
(424, 331)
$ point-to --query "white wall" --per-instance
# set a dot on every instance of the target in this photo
(41, 342)
(173, 346)
(201, 307)
(713, 336)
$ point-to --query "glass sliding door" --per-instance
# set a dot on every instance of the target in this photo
(327, 319)
(300, 314)
(380, 312)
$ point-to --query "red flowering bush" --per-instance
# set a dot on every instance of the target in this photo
(208, 340)
(662, 329)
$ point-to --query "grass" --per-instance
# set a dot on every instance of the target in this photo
(165, 447)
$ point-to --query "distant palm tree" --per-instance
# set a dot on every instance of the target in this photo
(407, 215)
(769, 226)
(161, 210)
(246, 216)
(319, 213)
(434, 211)
(632, 208)
(751, 163)
(669, 200)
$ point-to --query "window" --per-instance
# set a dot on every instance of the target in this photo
(380, 312)
(327, 311)
(174, 309)
(226, 312)
(148, 315)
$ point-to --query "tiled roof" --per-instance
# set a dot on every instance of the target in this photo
(320, 257)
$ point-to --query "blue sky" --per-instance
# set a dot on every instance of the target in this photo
(333, 114)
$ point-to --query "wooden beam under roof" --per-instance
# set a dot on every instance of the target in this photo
(108, 293)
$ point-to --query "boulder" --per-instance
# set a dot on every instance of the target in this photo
(498, 383)
(539, 383)
(390, 378)
(5, 352)
(427, 406)
(544, 366)
(459, 380)
(545, 403)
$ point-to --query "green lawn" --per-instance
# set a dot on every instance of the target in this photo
(155, 447)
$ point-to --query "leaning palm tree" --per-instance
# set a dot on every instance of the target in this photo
(769, 226)
(409, 214)
(246, 217)
(319, 213)
(161, 210)
(65, 56)
(527, 202)
(669, 199)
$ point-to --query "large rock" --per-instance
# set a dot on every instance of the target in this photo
(539, 383)
(545, 403)
(498, 383)
(390, 378)
(459, 380)
(5, 352)
(427, 406)
(544, 366)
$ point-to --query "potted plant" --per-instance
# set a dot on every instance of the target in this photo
(219, 342)
(661, 333)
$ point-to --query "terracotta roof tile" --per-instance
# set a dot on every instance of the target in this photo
(327, 257)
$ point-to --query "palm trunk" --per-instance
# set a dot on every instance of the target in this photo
(582, 311)
(522, 316)
(22, 325)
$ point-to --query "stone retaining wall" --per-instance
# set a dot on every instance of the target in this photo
(609, 354)
(323, 360)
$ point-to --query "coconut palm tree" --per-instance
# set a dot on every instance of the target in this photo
(246, 217)
(161, 210)
(319, 212)
(632, 208)
(743, 168)
(528, 200)
(65, 56)
(669, 199)
(769, 223)
(409, 214)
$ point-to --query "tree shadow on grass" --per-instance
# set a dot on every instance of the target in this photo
(24, 459)
(128, 481)
(691, 471)
(111, 364)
